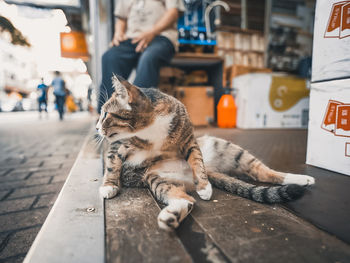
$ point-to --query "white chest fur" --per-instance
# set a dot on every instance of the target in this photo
(155, 134)
(138, 157)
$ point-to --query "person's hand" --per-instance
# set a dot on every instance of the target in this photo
(143, 40)
(117, 38)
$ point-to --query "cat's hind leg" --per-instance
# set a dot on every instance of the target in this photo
(257, 170)
(193, 156)
(225, 157)
(178, 203)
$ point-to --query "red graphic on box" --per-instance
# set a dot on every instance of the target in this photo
(337, 118)
(330, 116)
(343, 120)
(339, 21)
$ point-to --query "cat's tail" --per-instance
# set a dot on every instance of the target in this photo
(261, 194)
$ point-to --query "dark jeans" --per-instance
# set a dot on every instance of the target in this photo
(122, 59)
(42, 102)
(60, 105)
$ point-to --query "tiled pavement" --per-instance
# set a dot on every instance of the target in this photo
(35, 159)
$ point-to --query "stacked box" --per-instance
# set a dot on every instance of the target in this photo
(329, 120)
(329, 126)
(331, 48)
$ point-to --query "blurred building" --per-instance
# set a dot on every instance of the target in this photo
(41, 22)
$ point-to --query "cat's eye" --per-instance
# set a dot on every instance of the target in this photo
(124, 118)
(105, 115)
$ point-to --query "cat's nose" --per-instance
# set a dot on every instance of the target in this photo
(98, 126)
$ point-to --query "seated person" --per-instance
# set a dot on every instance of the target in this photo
(145, 37)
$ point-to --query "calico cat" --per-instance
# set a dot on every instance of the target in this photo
(150, 143)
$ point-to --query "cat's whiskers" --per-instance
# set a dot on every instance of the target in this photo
(98, 139)
(100, 142)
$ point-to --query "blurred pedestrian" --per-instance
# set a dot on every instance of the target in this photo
(42, 99)
(89, 99)
(145, 38)
(59, 91)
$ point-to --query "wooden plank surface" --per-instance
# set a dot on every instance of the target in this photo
(246, 231)
(132, 233)
(195, 60)
(197, 55)
(227, 228)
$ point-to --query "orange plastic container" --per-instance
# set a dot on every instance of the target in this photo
(226, 111)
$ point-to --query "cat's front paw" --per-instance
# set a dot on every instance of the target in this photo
(299, 179)
(171, 216)
(123, 150)
(168, 220)
(108, 191)
(205, 193)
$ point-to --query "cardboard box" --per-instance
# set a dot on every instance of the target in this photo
(237, 70)
(199, 102)
(329, 126)
(266, 100)
(331, 46)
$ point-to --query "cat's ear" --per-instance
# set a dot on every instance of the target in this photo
(122, 94)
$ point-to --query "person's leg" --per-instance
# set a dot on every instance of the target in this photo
(45, 105)
(47, 113)
(57, 101)
(39, 102)
(120, 61)
(156, 55)
(60, 104)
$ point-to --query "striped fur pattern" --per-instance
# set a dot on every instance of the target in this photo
(149, 142)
